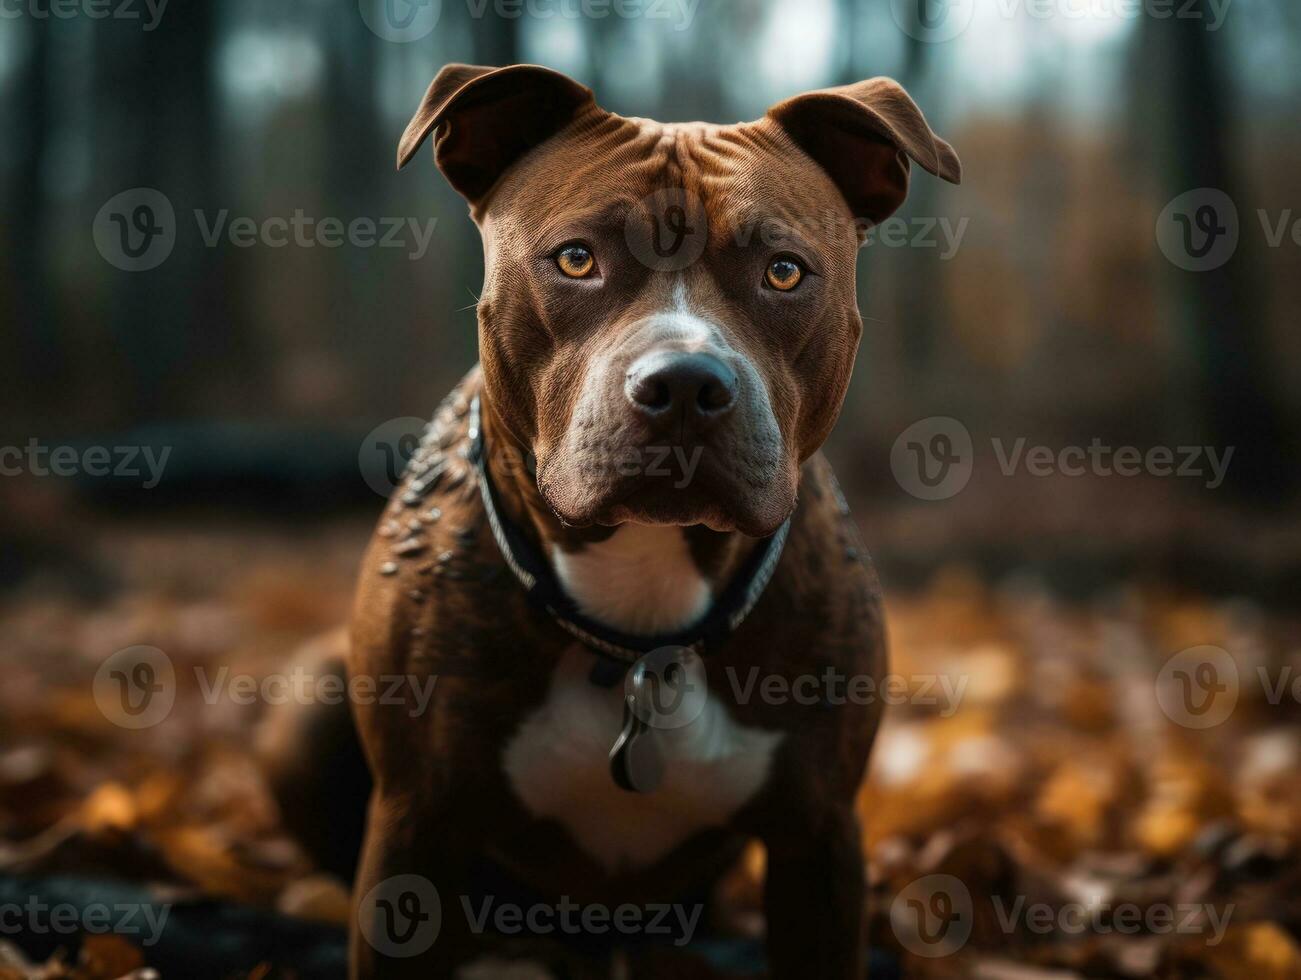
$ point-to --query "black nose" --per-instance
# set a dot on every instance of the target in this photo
(670, 383)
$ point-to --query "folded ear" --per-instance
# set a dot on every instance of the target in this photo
(863, 135)
(484, 119)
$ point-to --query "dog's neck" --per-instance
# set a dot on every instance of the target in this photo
(635, 578)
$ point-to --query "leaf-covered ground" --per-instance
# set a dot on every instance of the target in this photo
(1037, 807)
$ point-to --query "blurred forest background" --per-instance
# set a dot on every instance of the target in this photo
(1057, 318)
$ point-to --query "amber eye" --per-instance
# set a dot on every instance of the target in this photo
(784, 274)
(575, 261)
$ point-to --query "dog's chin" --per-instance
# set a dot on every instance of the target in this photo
(645, 502)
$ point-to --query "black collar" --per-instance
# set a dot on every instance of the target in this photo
(619, 649)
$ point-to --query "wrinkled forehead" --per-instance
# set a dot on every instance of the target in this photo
(749, 180)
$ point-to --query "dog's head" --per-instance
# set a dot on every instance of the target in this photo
(668, 319)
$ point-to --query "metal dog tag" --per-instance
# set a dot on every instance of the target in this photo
(636, 762)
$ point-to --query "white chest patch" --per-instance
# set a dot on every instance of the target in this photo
(641, 579)
(558, 764)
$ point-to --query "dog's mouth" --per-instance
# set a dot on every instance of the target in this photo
(681, 489)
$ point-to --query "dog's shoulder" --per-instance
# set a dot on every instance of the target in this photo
(431, 535)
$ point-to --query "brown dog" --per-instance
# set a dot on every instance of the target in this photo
(667, 328)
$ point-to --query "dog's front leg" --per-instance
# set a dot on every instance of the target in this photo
(813, 898)
(407, 918)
